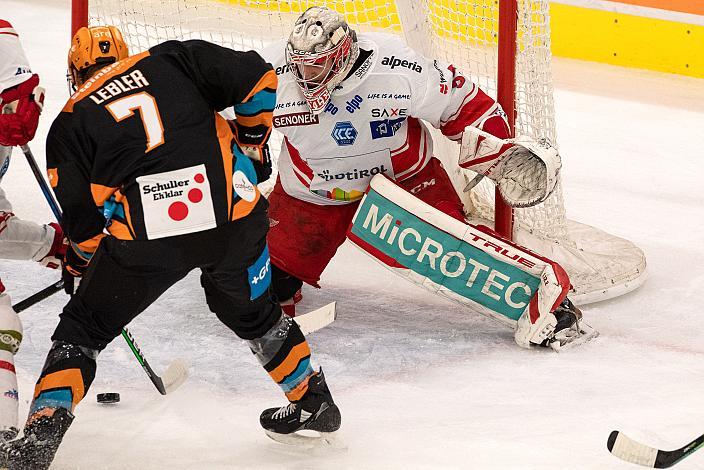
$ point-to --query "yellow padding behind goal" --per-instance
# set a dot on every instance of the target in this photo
(627, 40)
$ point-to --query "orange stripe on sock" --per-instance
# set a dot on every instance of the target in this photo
(298, 392)
(291, 362)
(62, 379)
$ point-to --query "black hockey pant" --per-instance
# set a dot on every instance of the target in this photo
(125, 277)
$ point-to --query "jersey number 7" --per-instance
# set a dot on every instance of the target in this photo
(149, 112)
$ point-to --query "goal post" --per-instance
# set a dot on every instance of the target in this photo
(501, 45)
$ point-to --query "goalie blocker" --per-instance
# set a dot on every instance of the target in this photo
(469, 264)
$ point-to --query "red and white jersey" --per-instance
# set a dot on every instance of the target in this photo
(19, 239)
(14, 67)
(376, 120)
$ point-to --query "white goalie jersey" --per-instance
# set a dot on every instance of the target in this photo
(375, 122)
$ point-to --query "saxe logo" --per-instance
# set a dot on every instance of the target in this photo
(457, 264)
(389, 112)
(12, 394)
(344, 133)
(392, 62)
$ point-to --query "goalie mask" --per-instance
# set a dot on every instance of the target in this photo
(320, 52)
(92, 49)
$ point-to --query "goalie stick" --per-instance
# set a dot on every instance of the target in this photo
(632, 451)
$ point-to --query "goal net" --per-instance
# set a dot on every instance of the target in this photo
(465, 33)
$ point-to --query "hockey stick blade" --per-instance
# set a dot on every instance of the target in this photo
(632, 451)
(175, 375)
(317, 319)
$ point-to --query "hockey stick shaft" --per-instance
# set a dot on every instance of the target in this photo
(54, 205)
(156, 380)
(39, 296)
(48, 195)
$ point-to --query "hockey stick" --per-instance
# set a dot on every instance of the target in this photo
(317, 319)
(177, 372)
(632, 451)
(39, 296)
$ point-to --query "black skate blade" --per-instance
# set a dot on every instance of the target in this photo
(311, 439)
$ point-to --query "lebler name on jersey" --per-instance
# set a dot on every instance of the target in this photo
(119, 85)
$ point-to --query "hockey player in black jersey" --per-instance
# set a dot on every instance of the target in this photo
(153, 184)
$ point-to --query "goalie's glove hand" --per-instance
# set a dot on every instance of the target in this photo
(524, 170)
(259, 157)
(57, 252)
(21, 106)
(74, 265)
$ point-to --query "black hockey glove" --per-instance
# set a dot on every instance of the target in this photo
(73, 265)
(260, 158)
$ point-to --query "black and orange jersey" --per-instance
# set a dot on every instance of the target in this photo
(140, 148)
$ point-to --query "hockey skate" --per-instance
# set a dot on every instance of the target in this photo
(309, 422)
(36, 449)
(570, 330)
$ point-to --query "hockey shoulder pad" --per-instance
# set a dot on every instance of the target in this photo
(468, 264)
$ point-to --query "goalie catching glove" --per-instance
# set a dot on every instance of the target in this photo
(524, 170)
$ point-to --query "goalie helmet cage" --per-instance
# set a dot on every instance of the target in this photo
(502, 45)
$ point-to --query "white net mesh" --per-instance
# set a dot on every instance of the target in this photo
(462, 32)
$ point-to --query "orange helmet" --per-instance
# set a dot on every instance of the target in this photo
(92, 49)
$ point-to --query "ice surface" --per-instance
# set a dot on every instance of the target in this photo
(421, 383)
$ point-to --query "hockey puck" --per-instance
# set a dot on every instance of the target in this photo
(108, 398)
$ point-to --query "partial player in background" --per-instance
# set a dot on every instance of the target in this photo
(354, 106)
(140, 143)
(21, 103)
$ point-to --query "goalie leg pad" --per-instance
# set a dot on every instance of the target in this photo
(468, 264)
(10, 339)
